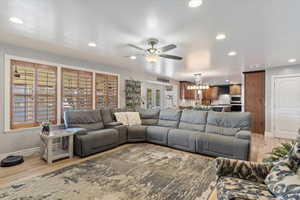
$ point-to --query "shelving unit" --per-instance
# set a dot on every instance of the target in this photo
(133, 93)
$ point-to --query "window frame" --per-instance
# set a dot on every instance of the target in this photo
(34, 95)
(62, 86)
(106, 78)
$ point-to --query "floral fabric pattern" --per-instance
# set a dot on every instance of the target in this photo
(251, 171)
(283, 182)
(234, 188)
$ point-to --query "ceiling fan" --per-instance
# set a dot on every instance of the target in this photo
(151, 54)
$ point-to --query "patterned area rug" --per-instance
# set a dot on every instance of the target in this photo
(134, 171)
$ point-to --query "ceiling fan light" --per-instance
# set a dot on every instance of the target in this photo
(195, 3)
(151, 58)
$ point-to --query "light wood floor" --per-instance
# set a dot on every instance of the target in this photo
(34, 166)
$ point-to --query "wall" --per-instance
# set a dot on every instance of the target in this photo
(19, 140)
(283, 70)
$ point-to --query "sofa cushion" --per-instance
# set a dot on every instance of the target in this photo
(222, 146)
(229, 188)
(137, 133)
(158, 134)
(183, 139)
(149, 116)
(283, 182)
(227, 123)
(87, 119)
(107, 115)
(121, 117)
(193, 120)
(169, 118)
(133, 118)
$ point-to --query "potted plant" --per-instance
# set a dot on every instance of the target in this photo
(46, 128)
(279, 152)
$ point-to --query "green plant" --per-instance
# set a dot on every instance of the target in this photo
(279, 152)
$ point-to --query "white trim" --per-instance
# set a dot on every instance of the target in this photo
(24, 152)
(94, 90)
(269, 134)
(59, 66)
(273, 78)
(58, 94)
(7, 94)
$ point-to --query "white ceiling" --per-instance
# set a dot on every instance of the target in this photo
(264, 32)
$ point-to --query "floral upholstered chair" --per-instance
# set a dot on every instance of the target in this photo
(245, 180)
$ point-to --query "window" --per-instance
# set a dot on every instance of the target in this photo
(106, 91)
(157, 98)
(77, 89)
(149, 98)
(33, 94)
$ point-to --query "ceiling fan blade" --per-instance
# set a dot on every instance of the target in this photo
(171, 57)
(168, 47)
(136, 47)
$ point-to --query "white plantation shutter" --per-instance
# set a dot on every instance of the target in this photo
(33, 94)
(77, 89)
(106, 91)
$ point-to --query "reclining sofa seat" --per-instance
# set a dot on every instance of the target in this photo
(93, 137)
(192, 123)
(226, 135)
(168, 119)
(138, 133)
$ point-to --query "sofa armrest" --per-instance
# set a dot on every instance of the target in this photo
(112, 125)
(251, 171)
(246, 135)
(77, 131)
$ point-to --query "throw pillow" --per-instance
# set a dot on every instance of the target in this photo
(283, 182)
(121, 117)
(133, 118)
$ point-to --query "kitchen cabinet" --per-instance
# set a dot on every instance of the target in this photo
(235, 89)
(214, 95)
(209, 95)
(185, 93)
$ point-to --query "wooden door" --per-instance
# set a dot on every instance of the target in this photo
(255, 99)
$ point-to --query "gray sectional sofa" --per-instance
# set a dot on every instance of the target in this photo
(210, 133)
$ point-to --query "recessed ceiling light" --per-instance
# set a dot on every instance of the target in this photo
(16, 20)
(221, 36)
(232, 53)
(132, 57)
(227, 80)
(195, 3)
(92, 44)
(292, 60)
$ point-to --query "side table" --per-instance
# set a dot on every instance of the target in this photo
(51, 151)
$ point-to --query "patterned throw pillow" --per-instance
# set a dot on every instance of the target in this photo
(283, 182)
(133, 118)
(121, 117)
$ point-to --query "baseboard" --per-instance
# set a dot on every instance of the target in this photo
(24, 152)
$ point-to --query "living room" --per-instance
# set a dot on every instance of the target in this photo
(132, 100)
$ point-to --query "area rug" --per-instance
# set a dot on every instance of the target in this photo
(131, 172)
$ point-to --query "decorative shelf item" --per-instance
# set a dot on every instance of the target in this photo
(133, 94)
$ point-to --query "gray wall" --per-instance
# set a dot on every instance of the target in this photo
(283, 70)
(19, 140)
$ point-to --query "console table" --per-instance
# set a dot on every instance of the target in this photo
(52, 150)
